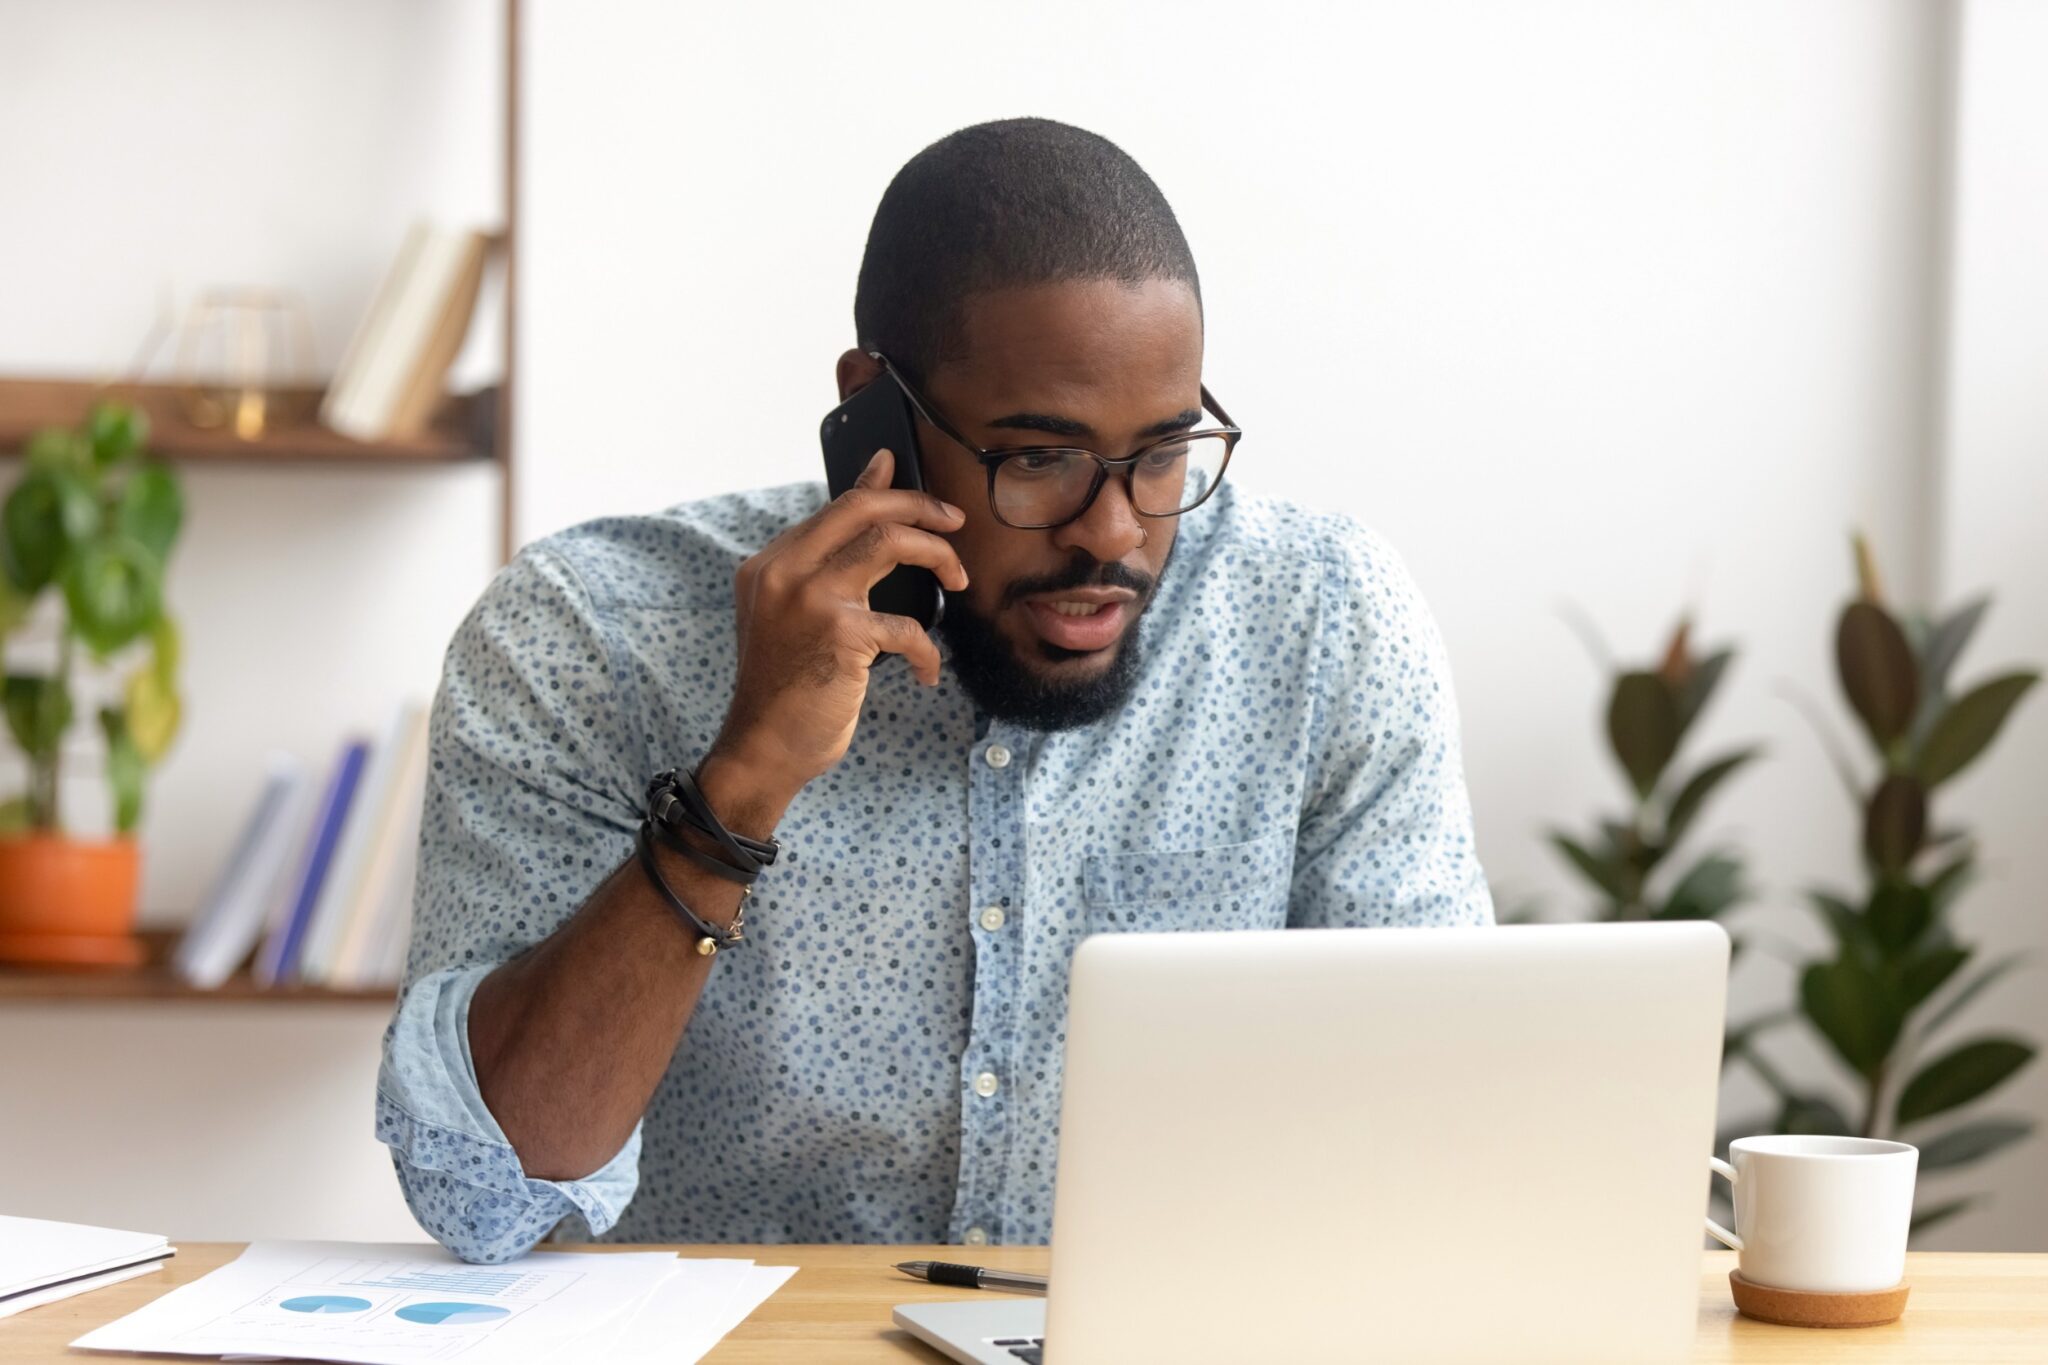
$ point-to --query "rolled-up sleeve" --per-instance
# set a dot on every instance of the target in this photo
(531, 801)
(1385, 835)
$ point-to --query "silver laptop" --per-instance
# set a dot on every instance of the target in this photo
(1374, 1144)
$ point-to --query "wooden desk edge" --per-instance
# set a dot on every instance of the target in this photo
(1971, 1306)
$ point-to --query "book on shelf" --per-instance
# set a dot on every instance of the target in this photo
(232, 919)
(278, 962)
(322, 872)
(392, 373)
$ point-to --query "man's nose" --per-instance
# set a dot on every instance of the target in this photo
(1110, 529)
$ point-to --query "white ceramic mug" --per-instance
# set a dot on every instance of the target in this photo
(1824, 1214)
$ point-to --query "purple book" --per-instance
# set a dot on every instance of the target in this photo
(279, 961)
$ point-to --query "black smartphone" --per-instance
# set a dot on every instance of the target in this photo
(879, 417)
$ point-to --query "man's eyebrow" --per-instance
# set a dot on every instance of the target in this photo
(1067, 426)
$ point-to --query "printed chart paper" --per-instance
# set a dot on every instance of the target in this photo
(393, 1304)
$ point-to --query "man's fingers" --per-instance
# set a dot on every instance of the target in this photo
(891, 634)
(879, 548)
(881, 468)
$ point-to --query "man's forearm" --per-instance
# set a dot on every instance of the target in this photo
(570, 1039)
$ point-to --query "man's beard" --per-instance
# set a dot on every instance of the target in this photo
(1001, 684)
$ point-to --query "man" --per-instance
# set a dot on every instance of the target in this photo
(1159, 706)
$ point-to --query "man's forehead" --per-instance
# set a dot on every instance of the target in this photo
(1095, 351)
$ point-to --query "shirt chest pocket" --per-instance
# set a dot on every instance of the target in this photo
(1225, 886)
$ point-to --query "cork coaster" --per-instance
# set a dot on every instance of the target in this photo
(1804, 1308)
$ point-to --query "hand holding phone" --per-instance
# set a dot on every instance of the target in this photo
(879, 417)
(809, 633)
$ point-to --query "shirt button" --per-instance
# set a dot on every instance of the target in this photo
(976, 1237)
(997, 756)
(992, 918)
(986, 1084)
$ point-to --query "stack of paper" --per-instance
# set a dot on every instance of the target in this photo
(41, 1262)
(398, 1304)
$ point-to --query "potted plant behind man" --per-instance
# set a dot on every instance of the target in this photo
(91, 521)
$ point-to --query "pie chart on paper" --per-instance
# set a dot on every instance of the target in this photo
(451, 1314)
(325, 1303)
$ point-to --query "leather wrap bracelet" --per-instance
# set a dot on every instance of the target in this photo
(676, 803)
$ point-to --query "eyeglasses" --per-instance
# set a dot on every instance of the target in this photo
(1034, 488)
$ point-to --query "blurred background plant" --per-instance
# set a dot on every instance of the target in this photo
(1649, 714)
(1896, 980)
(92, 519)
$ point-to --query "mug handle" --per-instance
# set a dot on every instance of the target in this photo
(1721, 1234)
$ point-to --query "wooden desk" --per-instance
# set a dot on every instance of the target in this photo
(1965, 1308)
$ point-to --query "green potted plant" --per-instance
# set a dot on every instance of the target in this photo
(1885, 999)
(91, 522)
(1649, 712)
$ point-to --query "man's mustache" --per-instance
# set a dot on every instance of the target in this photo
(1083, 571)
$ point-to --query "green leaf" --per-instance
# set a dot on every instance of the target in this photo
(48, 512)
(58, 449)
(1968, 726)
(1598, 871)
(125, 769)
(153, 714)
(1711, 886)
(1927, 973)
(1699, 685)
(1972, 1142)
(1642, 725)
(1894, 823)
(38, 712)
(1945, 645)
(1940, 1213)
(1853, 1011)
(15, 815)
(1898, 915)
(1971, 989)
(168, 645)
(1960, 1076)
(114, 589)
(14, 605)
(1813, 1114)
(1877, 669)
(1693, 795)
(1944, 886)
(152, 508)
(117, 431)
(1851, 933)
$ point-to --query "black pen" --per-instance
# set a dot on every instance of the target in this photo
(972, 1276)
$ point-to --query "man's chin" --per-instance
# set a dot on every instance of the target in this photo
(1037, 684)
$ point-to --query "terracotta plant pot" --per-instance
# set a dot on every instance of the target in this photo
(69, 901)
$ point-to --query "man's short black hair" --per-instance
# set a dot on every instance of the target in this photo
(1018, 202)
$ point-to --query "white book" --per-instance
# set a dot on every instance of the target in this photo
(394, 920)
(350, 967)
(339, 890)
(369, 333)
(368, 413)
(234, 916)
(232, 876)
(41, 1261)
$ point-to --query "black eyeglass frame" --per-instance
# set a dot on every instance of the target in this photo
(992, 460)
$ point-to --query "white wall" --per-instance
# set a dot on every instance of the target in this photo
(1633, 306)
(1994, 494)
(1623, 304)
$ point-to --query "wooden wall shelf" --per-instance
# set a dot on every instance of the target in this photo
(461, 432)
(156, 981)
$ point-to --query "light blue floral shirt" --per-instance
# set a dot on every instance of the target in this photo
(881, 1061)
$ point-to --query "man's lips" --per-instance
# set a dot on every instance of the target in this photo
(1107, 610)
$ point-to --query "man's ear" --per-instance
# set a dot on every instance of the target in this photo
(857, 370)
